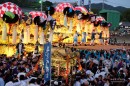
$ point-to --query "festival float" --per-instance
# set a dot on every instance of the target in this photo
(38, 27)
(69, 19)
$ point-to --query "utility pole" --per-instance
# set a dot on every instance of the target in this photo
(89, 3)
(41, 5)
(82, 4)
(103, 4)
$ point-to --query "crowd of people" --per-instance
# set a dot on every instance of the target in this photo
(103, 68)
(20, 71)
(98, 68)
(102, 40)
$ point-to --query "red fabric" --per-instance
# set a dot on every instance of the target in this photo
(81, 9)
(38, 13)
(8, 6)
(60, 7)
(100, 18)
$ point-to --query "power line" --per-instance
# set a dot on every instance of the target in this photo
(115, 3)
(112, 2)
(89, 2)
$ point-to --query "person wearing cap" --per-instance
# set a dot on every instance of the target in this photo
(115, 64)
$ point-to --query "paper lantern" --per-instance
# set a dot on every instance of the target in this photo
(14, 35)
(25, 36)
(28, 34)
(78, 29)
(4, 32)
(65, 21)
(42, 38)
(36, 33)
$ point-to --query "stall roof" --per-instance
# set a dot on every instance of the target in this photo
(109, 11)
(124, 23)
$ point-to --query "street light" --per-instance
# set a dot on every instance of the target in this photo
(89, 2)
(41, 1)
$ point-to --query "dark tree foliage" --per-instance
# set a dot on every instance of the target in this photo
(126, 15)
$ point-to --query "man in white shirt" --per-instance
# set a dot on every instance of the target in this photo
(1, 81)
(128, 82)
(20, 48)
(77, 82)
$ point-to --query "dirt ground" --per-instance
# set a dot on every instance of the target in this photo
(99, 47)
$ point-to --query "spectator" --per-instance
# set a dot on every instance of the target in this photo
(2, 83)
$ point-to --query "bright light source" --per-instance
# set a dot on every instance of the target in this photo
(40, 1)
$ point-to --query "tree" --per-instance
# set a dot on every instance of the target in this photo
(95, 11)
(46, 4)
(126, 15)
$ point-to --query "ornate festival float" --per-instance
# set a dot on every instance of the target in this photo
(56, 25)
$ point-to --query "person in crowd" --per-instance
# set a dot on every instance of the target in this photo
(20, 48)
(75, 38)
(93, 37)
(128, 82)
(77, 82)
(60, 40)
(98, 67)
(36, 51)
(84, 35)
(100, 38)
(115, 41)
(2, 83)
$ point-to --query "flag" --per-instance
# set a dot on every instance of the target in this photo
(47, 61)
(89, 3)
(52, 24)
